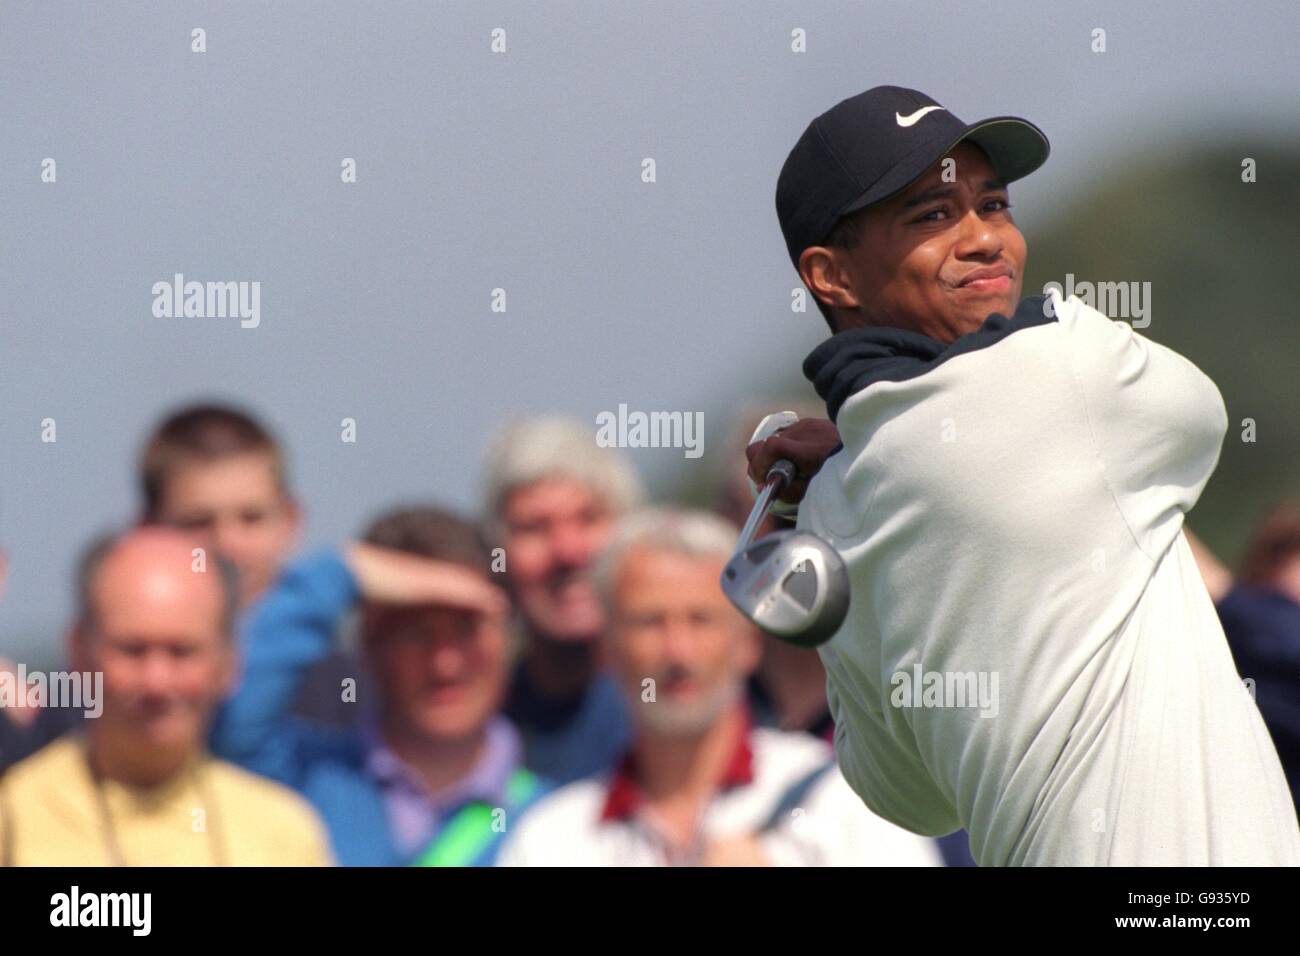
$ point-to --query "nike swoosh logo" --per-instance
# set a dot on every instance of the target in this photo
(911, 119)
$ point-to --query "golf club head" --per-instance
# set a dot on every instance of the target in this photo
(792, 585)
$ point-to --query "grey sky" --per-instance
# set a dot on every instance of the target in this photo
(476, 171)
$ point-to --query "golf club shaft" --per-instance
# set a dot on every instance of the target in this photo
(778, 476)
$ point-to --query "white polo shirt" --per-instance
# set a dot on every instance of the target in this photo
(772, 788)
(1015, 513)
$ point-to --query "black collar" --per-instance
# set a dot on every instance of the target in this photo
(849, 361)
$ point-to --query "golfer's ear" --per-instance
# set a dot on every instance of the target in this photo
(824, 275)
(819, 270)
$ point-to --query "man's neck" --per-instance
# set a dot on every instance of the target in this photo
(678, 770)
(438, 763)
(126, 763)
(561, 670)
(796, 681)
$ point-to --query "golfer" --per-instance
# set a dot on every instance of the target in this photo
(1030, 651)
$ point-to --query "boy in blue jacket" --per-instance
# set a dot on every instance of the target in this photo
(432, 774)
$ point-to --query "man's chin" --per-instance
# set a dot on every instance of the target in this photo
(445, 726)
(689, 713)
(165, 744)
(1003, 303)
(170, 737)
(973, 320)
(1009, 304)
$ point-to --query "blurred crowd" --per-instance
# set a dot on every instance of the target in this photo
(555, 680)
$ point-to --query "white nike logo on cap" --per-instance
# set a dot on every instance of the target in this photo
(911, 119)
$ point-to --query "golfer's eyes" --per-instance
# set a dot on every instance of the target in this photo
(940, 213)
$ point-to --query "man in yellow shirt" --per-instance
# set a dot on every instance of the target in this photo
(137, 787)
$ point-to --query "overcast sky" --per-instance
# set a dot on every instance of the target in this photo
(478, 170)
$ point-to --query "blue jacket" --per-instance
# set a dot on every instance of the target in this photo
(1263, 629)
(287, 633)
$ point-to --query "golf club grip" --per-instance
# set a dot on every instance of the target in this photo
(784, 470)
(779, 475)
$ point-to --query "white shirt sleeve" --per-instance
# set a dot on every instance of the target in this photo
(1157, 421)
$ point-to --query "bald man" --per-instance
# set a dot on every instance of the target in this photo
(136, 787)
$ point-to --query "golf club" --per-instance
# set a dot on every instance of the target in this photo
(791, 584)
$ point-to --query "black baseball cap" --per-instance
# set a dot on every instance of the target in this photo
(871, 146)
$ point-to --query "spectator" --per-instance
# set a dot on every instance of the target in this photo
(17, 720)
(136, 787)
(1261, 617)
(27, 727)
(432, 774)
(1217, 577)
(552, 498)
(217, 472)
(700, 785)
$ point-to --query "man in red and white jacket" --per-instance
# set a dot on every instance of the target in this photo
(701, 785)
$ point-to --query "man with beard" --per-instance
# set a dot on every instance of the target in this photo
(552, 497)
(701, 785)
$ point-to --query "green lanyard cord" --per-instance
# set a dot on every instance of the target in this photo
(470, 831)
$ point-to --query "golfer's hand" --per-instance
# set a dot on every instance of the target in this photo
(807, 443)
(386, 576)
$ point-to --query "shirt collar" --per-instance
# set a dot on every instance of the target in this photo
(624, 795)
(488, 780)
(849, 361)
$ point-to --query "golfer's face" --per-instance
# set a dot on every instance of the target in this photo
(919, 253)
